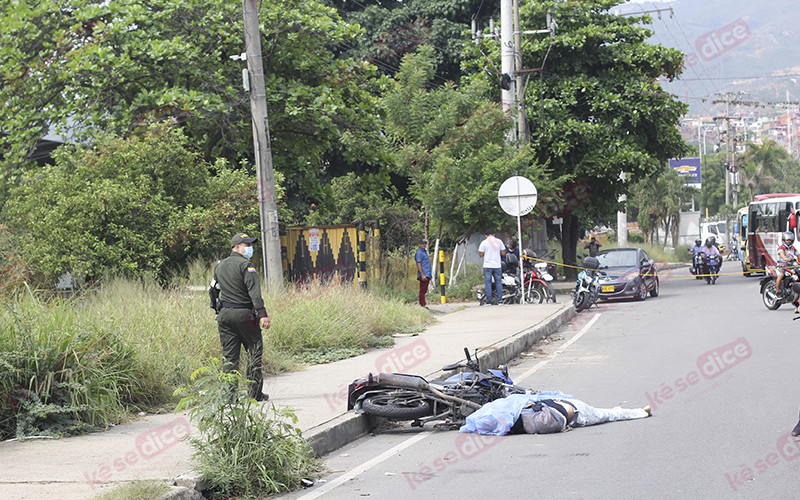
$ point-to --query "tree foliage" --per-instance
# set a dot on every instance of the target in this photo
(132, 206)
(597, 108)
(659, 200)
(451, 144)
(81, 68)
(766, 168)
(394, 28)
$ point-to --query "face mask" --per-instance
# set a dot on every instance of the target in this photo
(248, 252)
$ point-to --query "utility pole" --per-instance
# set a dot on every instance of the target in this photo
(730, 167)
(522, 120)
(511, 82)
(267, 202)
(507, 50)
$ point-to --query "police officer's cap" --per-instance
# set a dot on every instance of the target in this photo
(242, 238)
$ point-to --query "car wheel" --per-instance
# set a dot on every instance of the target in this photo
(642, 291)
(654, 291)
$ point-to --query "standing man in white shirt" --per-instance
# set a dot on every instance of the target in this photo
(492, 251)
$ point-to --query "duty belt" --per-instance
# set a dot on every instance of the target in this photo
(231, 305)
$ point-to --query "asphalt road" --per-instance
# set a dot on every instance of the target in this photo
(718, 368)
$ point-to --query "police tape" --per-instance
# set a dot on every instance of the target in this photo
(648, 274)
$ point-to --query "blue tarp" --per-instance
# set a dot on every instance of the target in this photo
(497, 417)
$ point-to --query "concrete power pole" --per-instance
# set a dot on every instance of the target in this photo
(267, 202)
(522, 120)
(507, 50)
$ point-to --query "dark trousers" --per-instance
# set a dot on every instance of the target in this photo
(423, 289)
(237, 328)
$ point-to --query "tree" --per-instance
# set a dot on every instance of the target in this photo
(136, 206)
(659, 200)
(81, 68)
(767, 167)
(396, 28)
(451, 144)
(597, 109)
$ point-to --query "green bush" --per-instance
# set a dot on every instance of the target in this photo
(243, 448)
(61, 373)
(133, 207)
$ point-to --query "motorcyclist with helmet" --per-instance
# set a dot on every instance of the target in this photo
(710, 249)
(696, 249)
(787, 254)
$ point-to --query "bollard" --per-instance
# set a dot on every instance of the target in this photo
(441, 275)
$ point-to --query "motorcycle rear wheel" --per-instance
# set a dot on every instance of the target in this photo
(770, 303)
(396, 407)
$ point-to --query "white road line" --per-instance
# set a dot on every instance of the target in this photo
(563, 348)
(364, 467)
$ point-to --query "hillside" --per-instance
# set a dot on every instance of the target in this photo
(732, 45)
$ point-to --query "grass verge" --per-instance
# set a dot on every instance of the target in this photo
(71, 365)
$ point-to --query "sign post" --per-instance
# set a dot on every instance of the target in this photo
(517, 196)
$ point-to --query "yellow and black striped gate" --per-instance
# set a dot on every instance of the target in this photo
(325, 252)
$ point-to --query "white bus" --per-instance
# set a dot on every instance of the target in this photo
(768, 217)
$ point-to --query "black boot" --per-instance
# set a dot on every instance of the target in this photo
(796, 430)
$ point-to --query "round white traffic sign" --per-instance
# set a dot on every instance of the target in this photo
(517, 196)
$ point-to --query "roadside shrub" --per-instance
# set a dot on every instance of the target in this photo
(61, 373)
(137, 206)
(244, 448)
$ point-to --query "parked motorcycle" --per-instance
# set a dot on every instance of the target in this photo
(712, 265)
(587, 287)
(538, 285)
(398, 396)
(790, 294)
(512, 290)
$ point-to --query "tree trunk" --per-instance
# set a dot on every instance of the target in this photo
(676, 230)
(569, 242)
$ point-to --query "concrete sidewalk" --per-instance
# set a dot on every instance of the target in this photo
(149, 449)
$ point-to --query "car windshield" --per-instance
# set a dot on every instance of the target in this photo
(618, 258)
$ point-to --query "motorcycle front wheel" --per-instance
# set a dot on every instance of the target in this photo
(396, 406)
(535, 295)
(581, 301)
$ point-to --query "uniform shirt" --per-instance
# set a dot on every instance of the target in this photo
(711, 251)
(696, 249)
(422, 257)
(239, 283)
(491, 248)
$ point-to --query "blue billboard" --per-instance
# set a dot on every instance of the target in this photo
(688, 169)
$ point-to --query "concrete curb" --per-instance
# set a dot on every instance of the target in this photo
(348, 427)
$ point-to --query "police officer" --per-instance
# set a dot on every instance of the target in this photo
(240, 311)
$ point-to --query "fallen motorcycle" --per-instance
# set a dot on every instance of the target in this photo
(397, 396)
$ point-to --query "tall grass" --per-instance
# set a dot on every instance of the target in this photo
(126, 345)
(61, 373)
